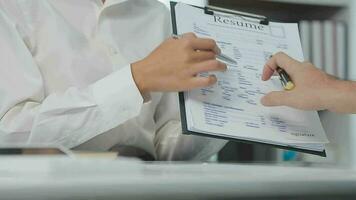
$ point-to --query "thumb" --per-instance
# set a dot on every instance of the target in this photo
(274, 99)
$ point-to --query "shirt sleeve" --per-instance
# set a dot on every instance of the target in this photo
(171, 144)
(68, 118)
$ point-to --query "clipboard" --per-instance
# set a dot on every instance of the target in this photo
(212, 10)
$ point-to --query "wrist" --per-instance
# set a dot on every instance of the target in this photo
(139, 77)
(341, 96)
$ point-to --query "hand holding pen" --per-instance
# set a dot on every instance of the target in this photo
(174, 65)
(220, 56)
(313, 89)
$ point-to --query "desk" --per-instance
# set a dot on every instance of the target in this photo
(70, 178)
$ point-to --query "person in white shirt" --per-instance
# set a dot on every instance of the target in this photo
(81, 74)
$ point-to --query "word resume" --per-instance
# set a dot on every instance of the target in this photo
(231, 108)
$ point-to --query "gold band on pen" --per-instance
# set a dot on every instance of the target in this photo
(285, 79)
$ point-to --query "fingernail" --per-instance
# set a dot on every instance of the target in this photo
(263, 101)
(218, 50)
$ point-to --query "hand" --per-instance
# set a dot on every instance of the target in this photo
(175, 65)
(314, 89)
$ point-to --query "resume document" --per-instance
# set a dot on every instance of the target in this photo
(231, 108)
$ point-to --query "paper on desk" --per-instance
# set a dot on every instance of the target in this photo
(232, 108)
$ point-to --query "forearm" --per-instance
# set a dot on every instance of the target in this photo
(71, 117)
(342, 97)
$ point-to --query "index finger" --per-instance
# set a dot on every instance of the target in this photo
(281, 60)
(206, 44)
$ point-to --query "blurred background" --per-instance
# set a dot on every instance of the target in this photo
(326, 30)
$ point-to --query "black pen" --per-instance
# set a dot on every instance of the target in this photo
(285, 79)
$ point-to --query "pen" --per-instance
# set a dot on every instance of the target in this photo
(285, 79)
(220, 56)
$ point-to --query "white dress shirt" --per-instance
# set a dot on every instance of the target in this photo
(65, 78)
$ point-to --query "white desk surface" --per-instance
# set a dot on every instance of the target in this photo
(69, 178)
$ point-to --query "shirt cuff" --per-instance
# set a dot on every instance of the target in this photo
(117, 95)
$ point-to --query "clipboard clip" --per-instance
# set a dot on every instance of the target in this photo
(209, 10)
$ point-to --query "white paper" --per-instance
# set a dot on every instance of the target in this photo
(232, 108)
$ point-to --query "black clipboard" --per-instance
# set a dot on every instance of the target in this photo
(210, 10)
